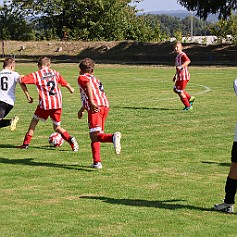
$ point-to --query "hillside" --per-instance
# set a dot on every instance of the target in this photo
(183, 14)
(126, 52)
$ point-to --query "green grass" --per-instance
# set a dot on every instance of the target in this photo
(171, 171)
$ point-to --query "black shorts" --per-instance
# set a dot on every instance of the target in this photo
(4, 109)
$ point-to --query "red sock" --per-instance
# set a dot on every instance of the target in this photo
(185, 102)
(66, 136)
(27, 139)
(105, 137)
(95, 146)
(187, 95)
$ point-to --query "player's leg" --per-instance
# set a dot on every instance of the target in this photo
(30, 133)
(179, 88)
(39, 114)
(105, 137)
(95, 128)
(56, 119)
(231, 183)
(4, 110)
(189, 97)
(99, 122)
(95, 148)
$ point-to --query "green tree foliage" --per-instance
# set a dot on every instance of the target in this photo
(88, 20)
(204, 7)
(171, 25)
(13, 25)
(223, 28)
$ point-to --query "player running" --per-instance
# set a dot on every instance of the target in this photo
(8, 81)
(96, 103)
(182, 76)
(227, 205)
(50, 100)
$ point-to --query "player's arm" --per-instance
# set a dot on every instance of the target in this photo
(175, 77)
(186, 62)
(70, 88)
(25, 90)
(64, 83)
(93, 106)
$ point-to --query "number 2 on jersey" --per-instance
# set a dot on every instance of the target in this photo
(51, 84)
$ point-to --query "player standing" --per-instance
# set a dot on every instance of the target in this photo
(182, 76)
(231, 181)
(47, 83)
(8, 81)
(96, 103)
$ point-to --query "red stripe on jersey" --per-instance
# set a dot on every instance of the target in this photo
(98, 93)
(184, 73)
(46, 81)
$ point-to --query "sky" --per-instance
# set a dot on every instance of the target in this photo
(157, 5)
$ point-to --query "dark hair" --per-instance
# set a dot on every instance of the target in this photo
(8, 62)
(87, 65)
(43, 61)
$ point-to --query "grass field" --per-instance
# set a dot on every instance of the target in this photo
(171, 170)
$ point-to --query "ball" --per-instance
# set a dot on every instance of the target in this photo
(55, 139)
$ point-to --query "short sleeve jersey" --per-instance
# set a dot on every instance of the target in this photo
(184, 73)
(8, 81)
(47, 83)
(98, 92)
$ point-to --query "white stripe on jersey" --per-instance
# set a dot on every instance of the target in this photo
(48, 101)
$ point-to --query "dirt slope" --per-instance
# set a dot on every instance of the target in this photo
(120, 52)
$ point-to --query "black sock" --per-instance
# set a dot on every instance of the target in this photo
(230, 190)
(5, 123)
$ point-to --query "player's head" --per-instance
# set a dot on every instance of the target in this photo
(87, 65)
(9, 63)
(44, 62)
(178, 47)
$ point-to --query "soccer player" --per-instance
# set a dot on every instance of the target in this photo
(231, 181)
(96, 103)
(8, 81)
(47, 83)
(182, 76)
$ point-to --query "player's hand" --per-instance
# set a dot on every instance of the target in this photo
(95, 108)
(80, 114)
(179, 68)
(30, 100)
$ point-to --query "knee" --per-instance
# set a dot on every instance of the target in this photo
(93, 137)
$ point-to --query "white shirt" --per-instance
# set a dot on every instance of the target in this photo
(8, 81)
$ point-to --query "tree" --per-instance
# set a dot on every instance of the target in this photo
(85, 20)
(223, 28)
(13, 25)
(204, 7)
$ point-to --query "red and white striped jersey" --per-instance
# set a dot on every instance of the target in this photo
(99, 96)
(46, 81)
(184, 73)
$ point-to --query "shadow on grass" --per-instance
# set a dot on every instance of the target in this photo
(50, 148)
(216, 163)
(31, 162)
(165, 204)
(142, 108)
